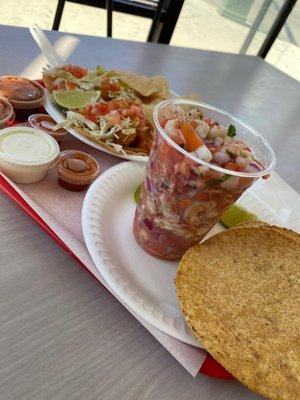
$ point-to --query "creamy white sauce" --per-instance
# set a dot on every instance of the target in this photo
(28, 147)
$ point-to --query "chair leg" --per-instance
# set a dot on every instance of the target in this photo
(58, 14)
(170, 21)
(282, 16)
(109, 10)
(155, 22)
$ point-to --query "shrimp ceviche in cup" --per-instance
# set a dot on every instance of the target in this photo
(201, 161)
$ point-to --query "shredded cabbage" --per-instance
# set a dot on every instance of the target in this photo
(101, 130)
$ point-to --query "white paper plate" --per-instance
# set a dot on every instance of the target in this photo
(56, 113)
(143, 282)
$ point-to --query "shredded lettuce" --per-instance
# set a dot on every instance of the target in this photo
(73, 118)
(101, 130)
(117, 147)
(100, 70)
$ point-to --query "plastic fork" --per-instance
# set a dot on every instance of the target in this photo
(46, 47)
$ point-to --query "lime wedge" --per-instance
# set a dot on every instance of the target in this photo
(236, 215)
(75, 98)
(137, 193)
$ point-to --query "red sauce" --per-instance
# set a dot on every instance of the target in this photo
(46, 123)
(25, 96)
(76, 170)
(7, 114)
(19, 89)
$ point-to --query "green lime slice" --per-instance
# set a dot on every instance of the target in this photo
(137, 194)
(236, 215)
(75, 98)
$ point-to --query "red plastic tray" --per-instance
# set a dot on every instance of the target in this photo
(209, 367)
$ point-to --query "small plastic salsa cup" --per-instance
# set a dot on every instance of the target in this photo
(177, 208)
(45, 123)
(76, 170)
(26, 96)
(7, 115)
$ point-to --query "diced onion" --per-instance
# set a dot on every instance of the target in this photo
(203, 153)
(221, 157)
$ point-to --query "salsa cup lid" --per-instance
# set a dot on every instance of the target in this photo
(73, 176)
(23, 104)
(36, 121)
(27, 146)
(9, 111)
(259, 146)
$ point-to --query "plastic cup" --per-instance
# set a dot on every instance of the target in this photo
(177, 208)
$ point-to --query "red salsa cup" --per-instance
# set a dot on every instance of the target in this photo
(45, 123)
(26, 96)
(76, 170)
(182, 196)
(7, 115)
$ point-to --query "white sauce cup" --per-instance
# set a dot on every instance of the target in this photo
(26, 153)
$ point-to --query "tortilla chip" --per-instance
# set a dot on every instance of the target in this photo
(239, 292)
(144, 85)
(190, 96)
(148, 108)
(48, 79)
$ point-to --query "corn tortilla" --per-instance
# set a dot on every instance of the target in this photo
(257, 224)
(240, 294)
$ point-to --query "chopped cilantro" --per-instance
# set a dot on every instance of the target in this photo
(100, 70)
(217, 181)
(231, 131)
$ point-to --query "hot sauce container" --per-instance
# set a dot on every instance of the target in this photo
(26, 96)
(45, 123)
(76, 170)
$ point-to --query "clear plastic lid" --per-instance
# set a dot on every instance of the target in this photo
(77, 167)
(46, 123)
(21, 92)
(26, 146)
(7, 114)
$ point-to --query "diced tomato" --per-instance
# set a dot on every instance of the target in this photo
(71, 85)
(232, 166)
(60, 86)
(193, 141)
(203, 196)
(168, 153)
(163, 122)
(210, 122)
(118, 104)
(108, 85)
(211, 174)
(90, 112)
(79, 72)
(135, 111)
(245, 182)
(181, 204)
(212, 147)
(114, 117)
(114, 86)
(102, 108)
(185, 203)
